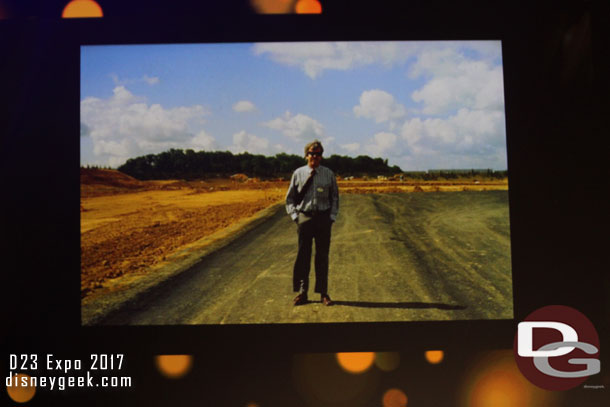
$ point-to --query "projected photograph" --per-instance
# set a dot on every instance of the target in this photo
(294, 182)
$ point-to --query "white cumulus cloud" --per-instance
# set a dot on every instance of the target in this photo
(203, 141)
(382, 145)
(462, 122)
(315, 57)
(125, 126)
(151, 80)
(298, 127)
(469, 133)
(379, 105)
(244, 106)
(244, 142)
(457, 82)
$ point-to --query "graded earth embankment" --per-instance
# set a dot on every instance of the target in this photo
(132, 228)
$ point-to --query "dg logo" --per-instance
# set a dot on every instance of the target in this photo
(557, 348)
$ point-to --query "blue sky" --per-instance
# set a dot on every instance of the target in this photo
(421, 105)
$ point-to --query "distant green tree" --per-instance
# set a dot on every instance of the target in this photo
(188, 164)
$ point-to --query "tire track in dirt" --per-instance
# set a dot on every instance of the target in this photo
(392, 258)
(441, 241)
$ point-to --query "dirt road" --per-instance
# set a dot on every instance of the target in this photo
(393, 257)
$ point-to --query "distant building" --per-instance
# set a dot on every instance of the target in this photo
(460, 171)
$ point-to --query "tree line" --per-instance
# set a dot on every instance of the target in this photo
(188, 164)
(433, 175)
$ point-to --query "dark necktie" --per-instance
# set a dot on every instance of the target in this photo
(301, 194)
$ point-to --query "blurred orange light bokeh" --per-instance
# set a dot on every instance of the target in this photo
(18, 392)
(174, 366)
(496, 381)
(82, 9)
(435, 356)
(499, 389)
(308, 7)
(394, 398)
(272, 6)
(356, 362)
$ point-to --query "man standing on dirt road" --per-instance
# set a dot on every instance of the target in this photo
(312, 201)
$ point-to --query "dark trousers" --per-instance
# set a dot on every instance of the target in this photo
(316, 228)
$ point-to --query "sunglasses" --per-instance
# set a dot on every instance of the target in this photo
(314, 154)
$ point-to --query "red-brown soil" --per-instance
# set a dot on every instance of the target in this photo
(129, 226)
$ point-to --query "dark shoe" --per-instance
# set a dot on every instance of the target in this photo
(300, 299)
(326, 300)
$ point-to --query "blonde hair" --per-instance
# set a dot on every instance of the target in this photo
(315, 143)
